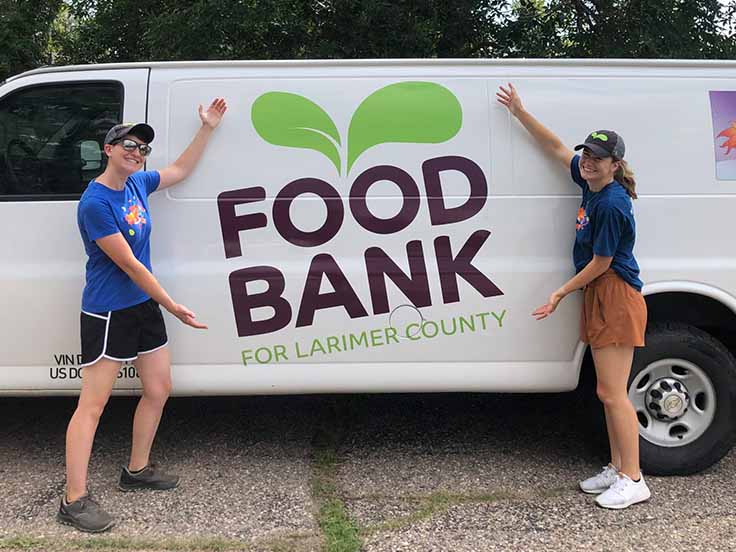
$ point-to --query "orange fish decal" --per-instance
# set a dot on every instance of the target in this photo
(730, 135)
(135, 215)
(582, 219)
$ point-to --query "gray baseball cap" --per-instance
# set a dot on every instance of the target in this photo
(604, 143)
(140, 130)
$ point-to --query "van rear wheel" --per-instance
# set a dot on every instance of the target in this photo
(683, 388)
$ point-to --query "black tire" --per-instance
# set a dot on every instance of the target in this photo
(681, 341)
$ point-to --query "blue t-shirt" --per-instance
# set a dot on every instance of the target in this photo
(104, 212)
(605, 227)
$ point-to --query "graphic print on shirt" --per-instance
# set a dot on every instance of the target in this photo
(135, 214)
(582, 219)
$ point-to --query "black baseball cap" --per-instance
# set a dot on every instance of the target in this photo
(140, 130)
(604, 143)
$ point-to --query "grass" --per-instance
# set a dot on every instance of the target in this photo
(432, 505)
(343, 534)
(340, 532)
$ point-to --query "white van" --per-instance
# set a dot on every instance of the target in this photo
(385, 226)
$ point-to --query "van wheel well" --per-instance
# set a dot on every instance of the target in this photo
(700, 311)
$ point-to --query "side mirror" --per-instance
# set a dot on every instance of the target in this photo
(91, 155)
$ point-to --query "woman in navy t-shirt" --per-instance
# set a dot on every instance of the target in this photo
(121, 320)
(613, 320)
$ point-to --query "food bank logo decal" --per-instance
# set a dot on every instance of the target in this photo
(414, 112)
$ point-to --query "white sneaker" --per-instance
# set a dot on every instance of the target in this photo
(623, 493)
(599, 483)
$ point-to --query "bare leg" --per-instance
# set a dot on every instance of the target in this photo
(97, 382)
(613, 366)
(612, 441)
(154, 370)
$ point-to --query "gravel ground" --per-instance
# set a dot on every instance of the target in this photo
(245, 471)
(417, 473)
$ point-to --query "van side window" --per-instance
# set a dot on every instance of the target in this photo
(51, 138)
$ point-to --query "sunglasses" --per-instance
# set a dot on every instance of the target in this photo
(131, 145)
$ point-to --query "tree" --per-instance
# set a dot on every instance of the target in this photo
(688, 29)
(25, 27)
(130, 30)
(404, 28)
(96, 31)
(648, 29)
(101, 31)
(535, 29)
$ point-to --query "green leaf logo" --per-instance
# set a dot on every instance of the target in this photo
(601, 137)
(416, 112)
(284, 119)
(406, 112)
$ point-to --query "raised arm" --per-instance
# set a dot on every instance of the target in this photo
(547, 140)
(120, 253)
(184, 165)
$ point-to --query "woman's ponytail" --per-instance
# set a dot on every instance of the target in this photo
(625, 177)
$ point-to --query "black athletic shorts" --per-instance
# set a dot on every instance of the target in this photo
(122, 334)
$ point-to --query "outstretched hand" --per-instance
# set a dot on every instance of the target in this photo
(187, 317)
(213, 115)
(545, 310)
(509, 97)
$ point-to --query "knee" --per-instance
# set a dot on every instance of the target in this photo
(611, 397)
(91, 409)
(158, 392)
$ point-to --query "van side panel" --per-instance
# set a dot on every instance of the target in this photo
(379, 226)
(456, 339)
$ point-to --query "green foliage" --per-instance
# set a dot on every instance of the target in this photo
(404, 28)
(340, 532)
(646, 29)
(166, 30)
(684, 29)
(25, 27)
(38, 32)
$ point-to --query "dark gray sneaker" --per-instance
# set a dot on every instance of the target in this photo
(85, 514)
(149, 477)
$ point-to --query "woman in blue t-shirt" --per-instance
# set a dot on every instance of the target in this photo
(121, 320)
(613, 320)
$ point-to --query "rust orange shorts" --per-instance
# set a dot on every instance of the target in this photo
(614, 313)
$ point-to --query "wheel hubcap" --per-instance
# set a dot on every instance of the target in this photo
(667, 399)
(675, 402)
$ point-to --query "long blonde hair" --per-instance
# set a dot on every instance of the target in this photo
(625, 176)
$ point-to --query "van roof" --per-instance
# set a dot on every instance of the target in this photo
(524, 62)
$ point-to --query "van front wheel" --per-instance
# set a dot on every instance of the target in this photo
(683, 388)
